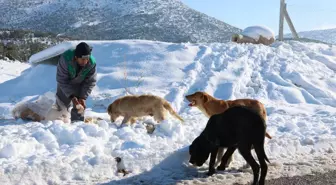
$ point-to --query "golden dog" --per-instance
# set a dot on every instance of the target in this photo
(132, 106)
(210, 106)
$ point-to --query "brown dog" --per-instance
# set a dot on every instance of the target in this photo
(132, 106)
(210, 106)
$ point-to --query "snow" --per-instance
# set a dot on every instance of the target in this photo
(51, 52)
(296, 82)
(82, 23)
(324, 35)
(11, 69)
(256, 31)
(94, 23)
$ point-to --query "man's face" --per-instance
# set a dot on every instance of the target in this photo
(82, 61)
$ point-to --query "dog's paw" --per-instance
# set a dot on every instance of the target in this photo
(211, 172)
(221, 167)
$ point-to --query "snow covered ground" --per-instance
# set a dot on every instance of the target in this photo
(296, 82)
(11, 69)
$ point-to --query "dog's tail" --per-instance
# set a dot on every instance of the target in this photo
(265, 156)
(259, 146)
(260, 150)
(109, 109)
(167, 106)
(268, 136)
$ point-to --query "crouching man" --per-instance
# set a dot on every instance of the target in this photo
(76, 77)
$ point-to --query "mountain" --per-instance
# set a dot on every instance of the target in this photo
(162, 20)
(326, 36)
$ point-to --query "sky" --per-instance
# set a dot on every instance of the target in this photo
(305, 14)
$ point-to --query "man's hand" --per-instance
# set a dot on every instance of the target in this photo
(82, 102)
(75, 101)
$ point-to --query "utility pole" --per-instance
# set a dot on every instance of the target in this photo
(290, 24)
(281, 21)
(284, 14)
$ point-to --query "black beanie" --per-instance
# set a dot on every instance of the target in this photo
(83, 50)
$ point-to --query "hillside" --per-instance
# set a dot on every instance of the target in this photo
(21, 44)
(162, 20)
(326, 36)
(295, 81)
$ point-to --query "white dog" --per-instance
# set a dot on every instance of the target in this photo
(42, 109)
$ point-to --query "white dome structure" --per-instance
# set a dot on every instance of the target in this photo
(255, 35)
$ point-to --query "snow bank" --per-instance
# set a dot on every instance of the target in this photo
(52, 52)
(11, 69)
(295, 81)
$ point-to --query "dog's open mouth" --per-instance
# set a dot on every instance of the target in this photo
(192, 103)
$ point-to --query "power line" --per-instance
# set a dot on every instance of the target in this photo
(311, 8)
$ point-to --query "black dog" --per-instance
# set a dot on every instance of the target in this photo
(237, 127)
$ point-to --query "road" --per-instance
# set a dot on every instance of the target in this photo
(316, 179)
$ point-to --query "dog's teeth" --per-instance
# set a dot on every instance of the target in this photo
(192, 103)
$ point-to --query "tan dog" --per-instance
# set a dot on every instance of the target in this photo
(132, 106)
(210, 106)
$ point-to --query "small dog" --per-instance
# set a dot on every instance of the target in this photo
(121, 166)
(132, 106)
(237, 127)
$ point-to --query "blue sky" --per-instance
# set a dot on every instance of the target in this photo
(305, 14)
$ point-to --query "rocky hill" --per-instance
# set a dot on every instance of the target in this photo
(162, 20)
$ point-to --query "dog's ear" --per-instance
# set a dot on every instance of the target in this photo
(190, 148)
(205, 98)
(109, 109)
